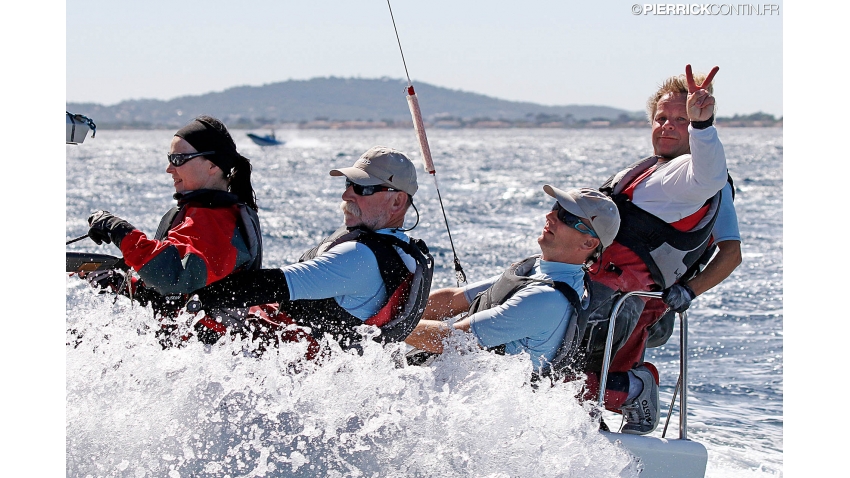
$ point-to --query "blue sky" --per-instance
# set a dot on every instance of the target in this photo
(548, 52)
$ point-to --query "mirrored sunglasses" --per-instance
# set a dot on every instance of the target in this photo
(179, 159)
(367, 190)
(573, 221)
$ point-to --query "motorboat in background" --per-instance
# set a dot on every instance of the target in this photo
(267, 140)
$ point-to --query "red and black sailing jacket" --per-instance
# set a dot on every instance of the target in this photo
(207, 236)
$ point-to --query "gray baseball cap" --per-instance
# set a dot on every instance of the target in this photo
(382, 165)
(592, 205)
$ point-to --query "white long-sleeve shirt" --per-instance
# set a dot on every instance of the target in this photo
(679, 187)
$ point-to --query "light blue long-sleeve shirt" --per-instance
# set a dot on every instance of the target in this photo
(726, 225)
(533, 320)
(349, 273)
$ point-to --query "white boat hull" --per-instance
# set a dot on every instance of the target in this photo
(662, 457)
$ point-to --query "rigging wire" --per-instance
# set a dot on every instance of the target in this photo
(399, 44)
(419, 126)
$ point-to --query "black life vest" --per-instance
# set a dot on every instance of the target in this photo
(169, 305)
(667, 252)
(407, 292)
(516, 278)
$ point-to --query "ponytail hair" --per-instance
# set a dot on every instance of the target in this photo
(240, 181)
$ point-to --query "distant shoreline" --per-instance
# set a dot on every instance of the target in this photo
(357, 103)
(445, 124)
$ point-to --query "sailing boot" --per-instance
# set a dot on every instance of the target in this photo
(641, 414)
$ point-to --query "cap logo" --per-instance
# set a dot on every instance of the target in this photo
(390, 178)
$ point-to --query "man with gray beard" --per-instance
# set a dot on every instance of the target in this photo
(367, 272)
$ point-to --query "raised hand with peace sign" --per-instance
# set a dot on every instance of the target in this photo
(700, 102)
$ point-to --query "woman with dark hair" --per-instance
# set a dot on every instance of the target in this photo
(212, 232)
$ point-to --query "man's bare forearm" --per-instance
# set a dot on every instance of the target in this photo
(429, 335)
(727, 259)
(445, 303)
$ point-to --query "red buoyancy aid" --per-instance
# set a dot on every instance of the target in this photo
(668, 250)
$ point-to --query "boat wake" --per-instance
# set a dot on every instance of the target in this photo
(133, 408)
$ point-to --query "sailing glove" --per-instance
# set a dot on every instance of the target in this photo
(678, 297)
(107, 227)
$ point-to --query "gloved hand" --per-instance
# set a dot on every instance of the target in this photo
(107, 227)
(678, 297)
(109, 280)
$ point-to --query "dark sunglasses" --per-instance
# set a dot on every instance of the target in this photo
(367, 190)
(573, 221)
(179, 159)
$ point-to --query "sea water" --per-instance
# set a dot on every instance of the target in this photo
(133, 409)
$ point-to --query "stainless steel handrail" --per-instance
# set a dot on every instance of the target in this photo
(683, 358)
(683, 372)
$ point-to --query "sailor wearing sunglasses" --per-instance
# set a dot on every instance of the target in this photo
(368, 272)
(531, 307)
(213, 230)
